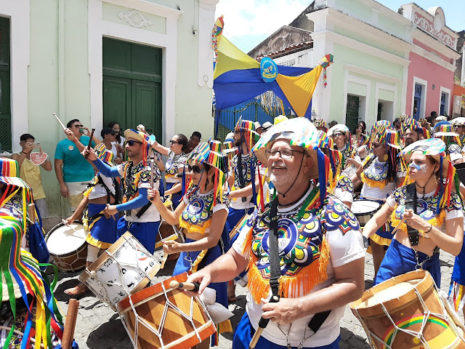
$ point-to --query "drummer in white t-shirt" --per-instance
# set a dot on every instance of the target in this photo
(321, 259)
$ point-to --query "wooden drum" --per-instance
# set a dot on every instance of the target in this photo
(408, 312)
(162, 317)
(67, 246)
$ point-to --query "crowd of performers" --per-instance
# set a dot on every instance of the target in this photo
(270, 209)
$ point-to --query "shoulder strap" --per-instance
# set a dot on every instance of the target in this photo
(411, 203)
(109, 194)
(275, 268)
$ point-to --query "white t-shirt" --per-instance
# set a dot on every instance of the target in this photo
(426, 205)
(247, 159)
(99, 191)
(344, 248)
(374, 193)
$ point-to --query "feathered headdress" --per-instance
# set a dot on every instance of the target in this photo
(302, 133)
(435, 148)
(210, 153)
(247, 131)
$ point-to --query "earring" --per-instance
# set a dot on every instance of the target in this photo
(385, 157)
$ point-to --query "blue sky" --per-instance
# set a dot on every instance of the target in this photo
(248, 22)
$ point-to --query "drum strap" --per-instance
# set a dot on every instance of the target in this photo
(411, 200)
(275, 269)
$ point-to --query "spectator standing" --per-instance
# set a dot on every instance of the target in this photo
(194, 141)
(109, 139)
(30, 172)
(73, 172)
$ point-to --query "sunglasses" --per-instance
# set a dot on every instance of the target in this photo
(174, 142)
(132, 142)
(195, 168)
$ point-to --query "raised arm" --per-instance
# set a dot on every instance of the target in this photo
(160, 148)
(170, 217)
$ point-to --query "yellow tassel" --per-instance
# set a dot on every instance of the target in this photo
(194, 228)
(289, 286)
(372, 183)
(437, 221)
(198, 260)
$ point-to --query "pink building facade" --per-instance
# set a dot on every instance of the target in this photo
(430, 80)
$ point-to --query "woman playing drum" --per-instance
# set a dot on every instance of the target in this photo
(427, 214)
(378, 174)
(201, 214)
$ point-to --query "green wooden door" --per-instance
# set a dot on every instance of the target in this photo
(5, 110)
(132, 85)
(352, 108)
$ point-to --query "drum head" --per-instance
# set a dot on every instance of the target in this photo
(64, 239)
(360, 207)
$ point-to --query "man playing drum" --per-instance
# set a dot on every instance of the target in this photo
(240, 178)
(320, 262)
(141, 218)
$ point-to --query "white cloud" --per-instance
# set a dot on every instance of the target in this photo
(257, 17)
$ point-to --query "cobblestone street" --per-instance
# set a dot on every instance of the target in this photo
(100, 328)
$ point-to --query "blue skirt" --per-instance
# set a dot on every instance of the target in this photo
(244, 333)
(184, 264)
(146, 232)
(102, 230)
(175, 198)
(458, 273)
(400, 259)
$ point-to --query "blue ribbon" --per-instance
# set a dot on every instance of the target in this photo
(321, 175)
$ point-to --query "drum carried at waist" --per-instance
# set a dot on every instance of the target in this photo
(67, 246)
(162, 317)
(364, 210)
(124, 268)
(408, 312)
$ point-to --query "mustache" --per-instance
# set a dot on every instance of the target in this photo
(278, 165)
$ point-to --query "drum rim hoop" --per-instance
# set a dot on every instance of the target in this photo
(47, 236)
(112, 249)
(151, 291)
(424, 286)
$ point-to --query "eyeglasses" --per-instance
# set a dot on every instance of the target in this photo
(195, 168)
(131, 142)
(173, 142)
(285, 154)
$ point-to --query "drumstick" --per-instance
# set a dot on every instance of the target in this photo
(31, 212)
(261, 326)
(90, 142)
(58, 119)
(187, 286)
(70, 325)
